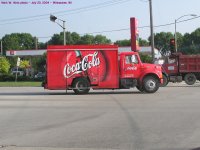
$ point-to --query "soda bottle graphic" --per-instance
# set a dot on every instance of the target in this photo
(79, 58)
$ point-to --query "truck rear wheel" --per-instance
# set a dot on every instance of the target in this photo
(150, 84)
(190, 79)
(81, 86)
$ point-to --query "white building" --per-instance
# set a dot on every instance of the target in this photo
(144, 49)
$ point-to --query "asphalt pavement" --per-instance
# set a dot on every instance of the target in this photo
(32, 118)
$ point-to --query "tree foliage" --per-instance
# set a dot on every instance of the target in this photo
(123, 42)
(75, 39)
(126, 42)
(191, 43)
(41, 63)
(24, 64)
(145, 58)
(162, 41)
(143, 42)
(18, 41)
(4, 65)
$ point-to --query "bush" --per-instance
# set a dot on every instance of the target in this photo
(12, 78)
(145, 58)
(4, 65)
(6, 77)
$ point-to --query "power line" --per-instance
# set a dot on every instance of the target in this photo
(141, 27)
(126, 29)
(75, 11)
(10, 23)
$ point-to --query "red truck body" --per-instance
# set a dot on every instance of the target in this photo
(81, 67)
(180, 67)
(98, 67)
(98, 63)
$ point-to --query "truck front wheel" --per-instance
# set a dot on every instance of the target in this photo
(140, 88)
(81, 86)
(150, 84)
(190, 79)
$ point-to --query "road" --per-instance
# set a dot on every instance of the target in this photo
(38, 119)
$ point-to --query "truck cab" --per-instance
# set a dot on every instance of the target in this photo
(134, 73)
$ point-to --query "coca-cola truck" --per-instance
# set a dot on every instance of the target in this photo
(82, 67)
(178, 67)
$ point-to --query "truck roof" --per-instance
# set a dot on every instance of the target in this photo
(81, 47)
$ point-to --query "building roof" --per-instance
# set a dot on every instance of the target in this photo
(25, 52)
(144, 49)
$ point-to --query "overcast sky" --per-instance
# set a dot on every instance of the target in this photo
(89, 16)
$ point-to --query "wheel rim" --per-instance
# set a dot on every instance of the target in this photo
(81, 86)
(151, 85)
(191, 79)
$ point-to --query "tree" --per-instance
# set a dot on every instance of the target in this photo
(100, 39)
(41, 63)
(162, 41)
(75, 39)
(87, 39)
(143, 42)
(123, 42)
(4, 65)
(24, 64)
(191, 43)
(126, 42)
(18, 41)
(145, 58)
(57, 39)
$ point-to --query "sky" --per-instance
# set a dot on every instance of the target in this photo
(90, 16)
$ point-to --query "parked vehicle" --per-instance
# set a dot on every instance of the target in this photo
(178, 67)
(40, 75)
(19, 71)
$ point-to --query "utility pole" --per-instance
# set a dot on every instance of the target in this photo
(64, 42)
(36, 43)
(152, 33)
(1, 48)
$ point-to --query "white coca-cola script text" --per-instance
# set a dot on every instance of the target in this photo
(83, 65)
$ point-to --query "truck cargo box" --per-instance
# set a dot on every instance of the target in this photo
(99, 63)
(189, 63)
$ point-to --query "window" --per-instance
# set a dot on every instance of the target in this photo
(131, 59)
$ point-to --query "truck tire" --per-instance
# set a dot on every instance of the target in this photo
(150, 84)
(140, 88)
(81, 86)
(165, 81)
(190, 79)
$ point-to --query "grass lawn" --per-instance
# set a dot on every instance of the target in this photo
(20, 84)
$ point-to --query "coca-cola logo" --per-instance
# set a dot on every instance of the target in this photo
(87, 62)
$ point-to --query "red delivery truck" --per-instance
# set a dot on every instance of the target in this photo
(178, 67)
(81, 67)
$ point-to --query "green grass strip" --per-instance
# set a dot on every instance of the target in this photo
(20, 84)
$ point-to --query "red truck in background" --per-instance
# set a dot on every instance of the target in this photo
(81, 67)
(178, 67)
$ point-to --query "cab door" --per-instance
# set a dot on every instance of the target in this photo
(131, 66)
